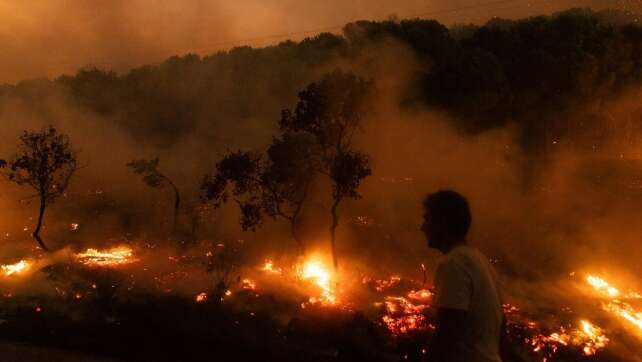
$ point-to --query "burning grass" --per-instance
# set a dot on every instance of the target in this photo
(117, 256)
(16, 268)
(308, 290)
(615, 301)
(590, 339)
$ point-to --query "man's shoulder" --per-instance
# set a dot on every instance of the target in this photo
(468, 258)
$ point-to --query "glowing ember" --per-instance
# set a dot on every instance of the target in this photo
(402, 316)
(421, 295)
(589, 338)
(74, 226)
(616, 306)
(248, 284)
(201, 297)
(595, 338)
(383, 284)
(118, 256)
(17, 268)
(315, 272)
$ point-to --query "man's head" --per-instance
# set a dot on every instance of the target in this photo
(446, 220)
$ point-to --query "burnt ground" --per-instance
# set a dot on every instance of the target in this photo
(178, 329)
(172, 328)
(12, 351)
(109, 321)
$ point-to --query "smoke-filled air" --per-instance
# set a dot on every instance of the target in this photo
(249, 181)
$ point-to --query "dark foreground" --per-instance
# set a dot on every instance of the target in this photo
(170, 328)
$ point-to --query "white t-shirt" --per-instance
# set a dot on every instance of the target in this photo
(465, 280)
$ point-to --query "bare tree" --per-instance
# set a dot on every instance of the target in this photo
(45, 162)
(154, 178)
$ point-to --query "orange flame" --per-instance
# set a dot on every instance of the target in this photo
(17, 268)
(616, 306)
(201, 297)
(316, 272)
(117, 256)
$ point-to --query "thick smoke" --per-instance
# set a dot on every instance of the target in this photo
(539, 215)
(53, 37)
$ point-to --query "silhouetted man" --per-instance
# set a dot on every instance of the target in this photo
(467, 298)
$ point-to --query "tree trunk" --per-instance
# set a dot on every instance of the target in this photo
(296, 237)
(294, 221)
(177, 205)
(41, 215)
(333, 228)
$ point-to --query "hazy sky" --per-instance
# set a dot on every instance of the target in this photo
(45, 38)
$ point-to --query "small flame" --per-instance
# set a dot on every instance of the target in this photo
(595, 338)
(17, 268)
(269, 268)
(117, 256)
(248, 284)
(422, 294)
(201, 297)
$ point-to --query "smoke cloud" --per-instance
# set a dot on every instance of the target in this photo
(48, 38)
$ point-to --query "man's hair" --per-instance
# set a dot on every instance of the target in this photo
(449, 210)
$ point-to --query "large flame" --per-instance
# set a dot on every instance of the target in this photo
(615, 305)
(314, 271)
(602, 286)
(117, 256)
(17, 268)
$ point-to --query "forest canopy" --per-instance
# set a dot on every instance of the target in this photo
(532, 72)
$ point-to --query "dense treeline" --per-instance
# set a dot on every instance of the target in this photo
(533, 72)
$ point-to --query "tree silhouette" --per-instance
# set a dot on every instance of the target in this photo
(275, 185)
(347, 171)
(154, 178)
(45, 162)
(331, 111)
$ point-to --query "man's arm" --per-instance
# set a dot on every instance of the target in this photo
(450, 328)
(505, 351)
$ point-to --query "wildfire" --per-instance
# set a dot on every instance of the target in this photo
(625, 311)
(421, 295)
(588, 337)
(383, 284)
(315, 272)
(602, 286)
(595, 338)
(17, 268)
(117, 256)
(614, 305)
(269, 268)
(402, 316)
